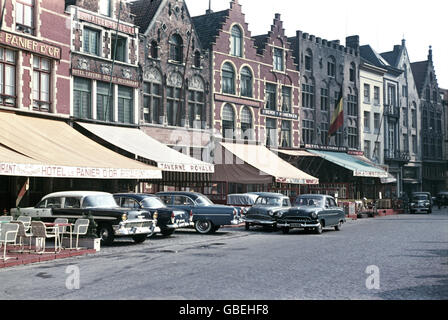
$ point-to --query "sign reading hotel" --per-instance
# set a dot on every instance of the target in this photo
(105, 22)
(104, 77)
(191, 168)
(47, 171)
(31, 45)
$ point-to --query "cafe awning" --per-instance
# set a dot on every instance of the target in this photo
(40, 147)
(137, 142)
(357, 166)
(268, 163)
(295, 153)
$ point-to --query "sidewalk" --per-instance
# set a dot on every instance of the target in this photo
(27, 258)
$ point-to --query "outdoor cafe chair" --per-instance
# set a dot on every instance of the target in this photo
(6, 218)
(80, 228)
(22, 234)
(40, 232)
(61, 229)
(8, 234)
(26, 222)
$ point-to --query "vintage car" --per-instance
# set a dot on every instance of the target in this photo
(266, 209)
(312, 212)
(420, 202)
(168, 219)
(207, 216)
(242, 201)
(112, 221)
(442, 199)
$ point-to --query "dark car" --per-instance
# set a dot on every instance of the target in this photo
(168, 219)
(266, 209)
(207, 216)
(112, 221)
(420, 202)
(442, 199)
(312, 212)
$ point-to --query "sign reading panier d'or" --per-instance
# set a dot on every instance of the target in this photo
(28, 44)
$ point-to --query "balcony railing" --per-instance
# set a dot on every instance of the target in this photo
(396, 155)
(391, 111)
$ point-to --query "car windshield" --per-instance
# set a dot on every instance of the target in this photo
(420, 197)
(203, 201)
(269, 201)
(309, 202)
(152, 202)
(99, 201)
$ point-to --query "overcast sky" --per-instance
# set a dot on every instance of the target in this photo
(379, 23)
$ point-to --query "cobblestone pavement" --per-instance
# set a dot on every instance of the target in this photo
(408, 252)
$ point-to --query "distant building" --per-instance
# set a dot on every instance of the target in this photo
(444, 98)
(432, 125)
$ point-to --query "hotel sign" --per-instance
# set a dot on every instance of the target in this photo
(279, 114)
(31, 45)
(105, 22)
(104, 78)
(325, 148)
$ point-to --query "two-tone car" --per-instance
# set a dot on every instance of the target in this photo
(207, 216)
(420, 202)
(112, 221)
(266, 210)
(168, 219)
(312, 212)
(242, 201)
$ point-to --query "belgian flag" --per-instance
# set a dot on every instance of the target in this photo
(337, 120)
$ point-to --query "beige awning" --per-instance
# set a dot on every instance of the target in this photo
(51, 148)
(140, 144)
(269, 163)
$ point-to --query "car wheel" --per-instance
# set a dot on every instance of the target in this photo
(247, 226)
(204, 226)
(318, 229)
(339, 226)
(167, 232)
(274, 227)
(285, 230)
(106, 233)
(140, 238)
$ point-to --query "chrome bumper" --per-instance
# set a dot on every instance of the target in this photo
(256, 221)
(130, 228)
(297, 225)
(183, 224)
(236, 222)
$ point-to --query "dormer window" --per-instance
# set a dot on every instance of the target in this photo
(278, 60)
(25, 16)
(237, 42)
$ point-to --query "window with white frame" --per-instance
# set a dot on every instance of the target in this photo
(286, 99)
(228, 79)
(271, 96)
(25, 15)
(152, 102)
(278, 59)
(285, 135)
(246, 124)
(237, 42)
(41, 83)
(104, 106)
(82, 98)
(228, 122)
(105, 7)
(91, 43)
(125, 104)
(7, 77)
(119, 48)
(246, 82)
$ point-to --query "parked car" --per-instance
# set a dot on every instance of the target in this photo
(266, 209)
(442, 199)
(420, 202)
(242, 201)
(312, 212)
(168, 219)
(112, 221)
(207, 216)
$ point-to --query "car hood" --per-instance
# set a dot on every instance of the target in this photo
(301, 211)
(263, 209)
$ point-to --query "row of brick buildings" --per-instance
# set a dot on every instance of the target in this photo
(191, 82)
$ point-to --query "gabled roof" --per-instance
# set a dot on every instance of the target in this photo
(208, 26)
(260, 42)
(391, 57)
(371, 56)
(419, 71)
(144, 11)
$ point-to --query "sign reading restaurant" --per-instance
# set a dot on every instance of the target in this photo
(279, 114)
(31, 45)
(104, 77)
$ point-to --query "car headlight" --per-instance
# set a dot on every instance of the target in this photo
(314, 215)
(280, 214)
(271, 213)
(155, 215)
(124, 217)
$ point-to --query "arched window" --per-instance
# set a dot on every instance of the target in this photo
(197, 59)
(237, 42)
(228, 79)
(152, 97)
(246, 124)
(246, 82)
(154, 49)
(176, 46)
(196, 103)
(228, 122)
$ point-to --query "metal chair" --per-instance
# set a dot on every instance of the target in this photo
(8, 234)
(61, 229)
(26, 222)
(40, 232)
(6, 218)
(80, 228)
(22, 234)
